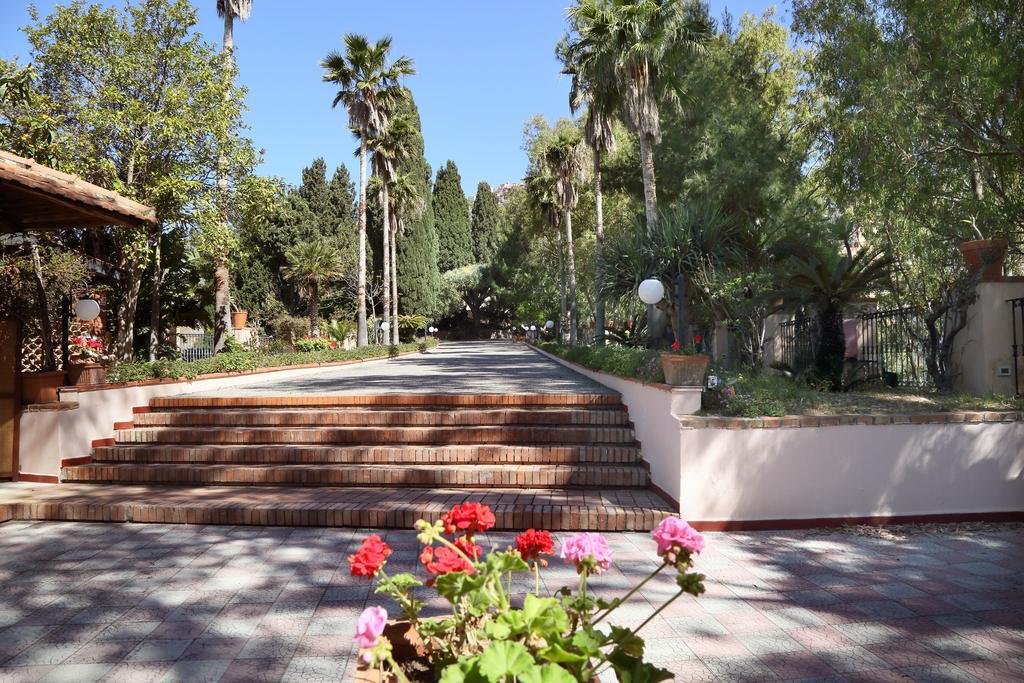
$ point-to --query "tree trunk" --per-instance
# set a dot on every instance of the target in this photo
(561, 286)
(124, 340)
(314, 310)
(598, 246)
(154, 308)
(647, 170)
(45, 328)
(394, 286)
(571, 266)
(222, 276)
(361, 277)
(386, 233)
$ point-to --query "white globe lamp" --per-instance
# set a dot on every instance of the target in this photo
(87, 309)
(651, 291)
(385, 325)
(533, 328)
(549, 324)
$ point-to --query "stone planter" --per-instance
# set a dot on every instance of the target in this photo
(41, 387)
(408, 649)
(977, 253)
(87, 373)
(684, 371)
(239, 319)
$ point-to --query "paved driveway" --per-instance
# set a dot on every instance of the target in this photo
(490, 367)
(85, 602)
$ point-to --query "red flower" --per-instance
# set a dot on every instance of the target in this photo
(697, 339)
(443, 560)
(468, 517)
(369, 558)
(675, 346)
(532, 544)
(466, 545)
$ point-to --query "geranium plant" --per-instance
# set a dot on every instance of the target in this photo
(493, 636)
(85, 349)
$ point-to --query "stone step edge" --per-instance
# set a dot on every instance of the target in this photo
(397, 400)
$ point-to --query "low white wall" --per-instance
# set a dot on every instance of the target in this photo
(852, 471)
(48, 436)
(650, 409)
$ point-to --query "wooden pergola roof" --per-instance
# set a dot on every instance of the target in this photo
(36, 197)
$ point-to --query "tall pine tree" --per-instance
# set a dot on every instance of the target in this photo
(487, 227)
(451, 219)
(418, 276)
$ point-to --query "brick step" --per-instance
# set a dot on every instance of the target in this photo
(361, 417)
(395, 508)
(298, 454)
(387, 400)
(481, 476)
(380, 435)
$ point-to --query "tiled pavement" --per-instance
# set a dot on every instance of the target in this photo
(140, 602)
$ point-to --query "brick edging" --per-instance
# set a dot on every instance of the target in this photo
(870, 419)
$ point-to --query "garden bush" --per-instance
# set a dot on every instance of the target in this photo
(622, 361)
(307, 344)
(239, 361)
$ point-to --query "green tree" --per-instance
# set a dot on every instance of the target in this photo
(229, 10)
(563, 153)
(368, 86)
(144, 109)
(637, 40)
(451, 220)
(488, 232)
(311, 265)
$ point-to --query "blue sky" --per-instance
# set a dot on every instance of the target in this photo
(484, 68)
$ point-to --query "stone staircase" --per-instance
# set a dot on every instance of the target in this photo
(571, 459)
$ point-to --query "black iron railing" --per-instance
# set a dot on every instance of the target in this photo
(796, 343)
(1017, 346)
(890, 344)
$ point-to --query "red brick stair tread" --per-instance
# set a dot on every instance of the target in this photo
(363, 400)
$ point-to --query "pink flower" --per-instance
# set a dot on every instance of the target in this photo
(369, 628)
(587, 546)
(674, 535)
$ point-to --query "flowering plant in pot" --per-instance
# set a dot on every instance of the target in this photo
(491, 634)
(685, 366)
(88, 360)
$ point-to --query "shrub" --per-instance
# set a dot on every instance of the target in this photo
(307, 344)
(622, 361)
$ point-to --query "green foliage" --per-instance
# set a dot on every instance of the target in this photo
(622, 361)
(307, 344)
(340, 330)
(244, 360)
(452, 220)
(486, 224)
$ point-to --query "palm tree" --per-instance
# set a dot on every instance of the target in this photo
(636, 40)
(540, 191)
(390, 146)
(406, 204)
(593, 85)
(368, 86)
(229, 10)
(564, 156)
(311, 265)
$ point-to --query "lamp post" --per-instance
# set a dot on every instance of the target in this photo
(651, 292)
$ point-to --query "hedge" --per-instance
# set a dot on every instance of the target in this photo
(622, 361)
(239, 361)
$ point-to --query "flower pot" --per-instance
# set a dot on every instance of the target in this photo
(987, 254)
(238, 319)
(86, 373)
(409, 651)
(684, 371)
(41, 387)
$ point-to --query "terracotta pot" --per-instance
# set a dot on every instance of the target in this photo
(86, 373)
(685, 371)
(41, 387)
(238, 319)
(977, 253)
(409, 651)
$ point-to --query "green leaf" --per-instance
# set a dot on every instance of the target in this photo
(631, 669)
(589, 641)
(503, 659)
(544, 616)
(627, 642)
(556, 653)
(513, 620)
(548, 673)
(456, 584)
(504, 562)
(465, 671)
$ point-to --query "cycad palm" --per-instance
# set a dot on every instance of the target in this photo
(635, 40)
(310, 265)
(368, 86)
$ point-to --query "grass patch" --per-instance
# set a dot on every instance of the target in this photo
(238, 361)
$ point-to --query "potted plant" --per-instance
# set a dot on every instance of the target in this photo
(88, 361)
(559, 638)
(986, 255)
(686, 366)
(41, 387)
(239, 317)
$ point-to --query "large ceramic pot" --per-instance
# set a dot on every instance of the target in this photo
(87, 373)
(408, 649)
(685, 371)
(41, 387)
(978, 253)
(238, 319)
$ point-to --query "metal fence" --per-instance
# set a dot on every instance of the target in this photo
(195, 345)
(888, 346)
(1017, 346)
